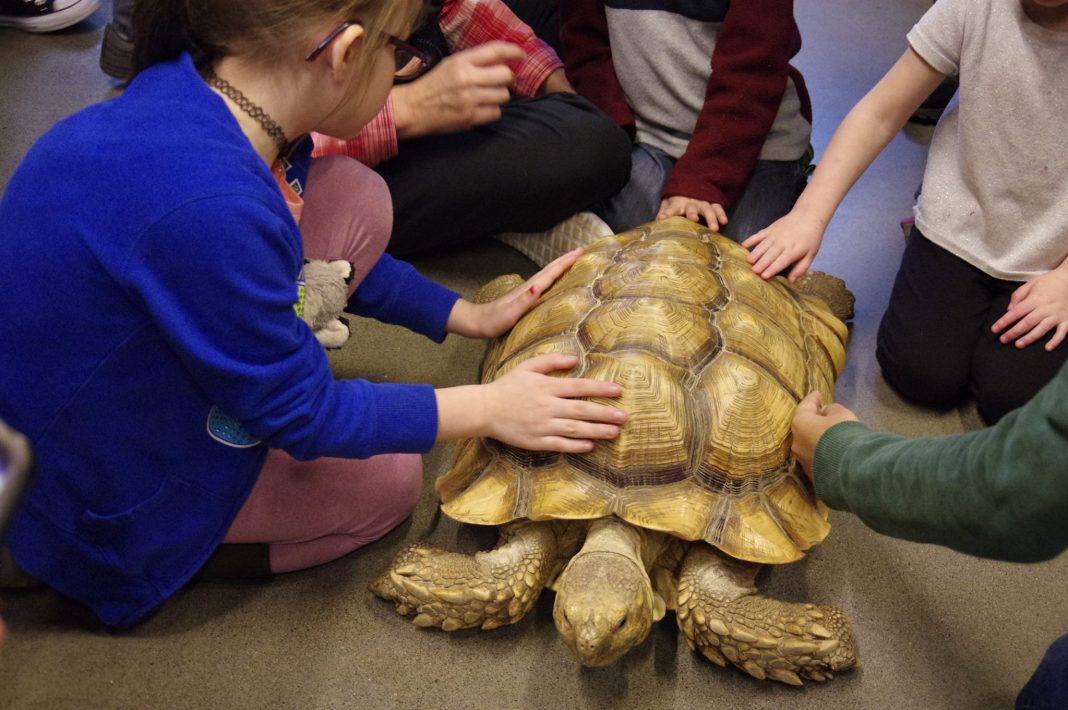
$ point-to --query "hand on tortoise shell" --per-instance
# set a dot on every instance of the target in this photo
(811, 421)
(1035, 309)
(528, 408)
(791, 239)
(693, 209)
(488, 320)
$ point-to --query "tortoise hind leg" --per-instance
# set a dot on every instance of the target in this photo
(454, 591)
(831, 290)
(724, 618)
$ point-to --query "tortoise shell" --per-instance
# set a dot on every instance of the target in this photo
(712, 360)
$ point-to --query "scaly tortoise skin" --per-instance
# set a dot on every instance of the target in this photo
(698, 490)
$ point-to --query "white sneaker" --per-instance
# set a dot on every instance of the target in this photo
(578, 230)
(45, 15)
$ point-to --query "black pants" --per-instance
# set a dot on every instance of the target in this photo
(935, 345)
(545, 159)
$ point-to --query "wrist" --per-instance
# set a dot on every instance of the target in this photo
(463, 412)
(813, 211)
(556, 81)
(403, 116)
(463, 319)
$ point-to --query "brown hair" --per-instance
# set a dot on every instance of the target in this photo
(211, 29)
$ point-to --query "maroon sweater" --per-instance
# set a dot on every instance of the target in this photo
(750, 67)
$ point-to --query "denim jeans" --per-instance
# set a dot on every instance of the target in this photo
(770, 193)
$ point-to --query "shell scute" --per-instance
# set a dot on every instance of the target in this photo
(675, 332)
(655, 445)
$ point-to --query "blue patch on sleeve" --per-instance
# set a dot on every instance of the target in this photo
(227, 430)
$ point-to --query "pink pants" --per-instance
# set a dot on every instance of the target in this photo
(311, 512)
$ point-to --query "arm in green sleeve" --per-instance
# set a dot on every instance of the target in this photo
(1001, 492)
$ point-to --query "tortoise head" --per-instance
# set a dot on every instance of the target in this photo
(605, 605)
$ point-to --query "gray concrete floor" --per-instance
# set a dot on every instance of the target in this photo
(936, 629)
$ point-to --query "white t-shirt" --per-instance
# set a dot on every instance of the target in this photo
(995, 192)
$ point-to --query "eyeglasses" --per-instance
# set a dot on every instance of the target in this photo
(410, 60)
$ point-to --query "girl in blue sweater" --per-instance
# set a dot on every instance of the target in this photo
(151, 352)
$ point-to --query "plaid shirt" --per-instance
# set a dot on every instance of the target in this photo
(465, 24)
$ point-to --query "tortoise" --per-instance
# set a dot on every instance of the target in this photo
(696, 493)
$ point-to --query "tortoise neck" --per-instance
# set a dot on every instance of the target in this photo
(639, 545)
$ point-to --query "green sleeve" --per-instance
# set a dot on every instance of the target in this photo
(1001, 492)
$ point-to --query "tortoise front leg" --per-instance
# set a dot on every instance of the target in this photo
(488, 589)
(724, 618)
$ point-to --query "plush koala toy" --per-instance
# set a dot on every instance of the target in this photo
(323, 300)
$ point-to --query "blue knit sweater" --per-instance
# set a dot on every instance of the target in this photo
(150, 347)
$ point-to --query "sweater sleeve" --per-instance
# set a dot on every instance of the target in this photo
(217, 278)
(588, 58)
(469, 23)
(750, 66)
(1001, 492)
(394, 292)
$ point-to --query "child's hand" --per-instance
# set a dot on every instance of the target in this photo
(811, 422)
(1036, 308)
(464, 90)
(528, 408)
(488, 320)
(790, 239)
(693, 209)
